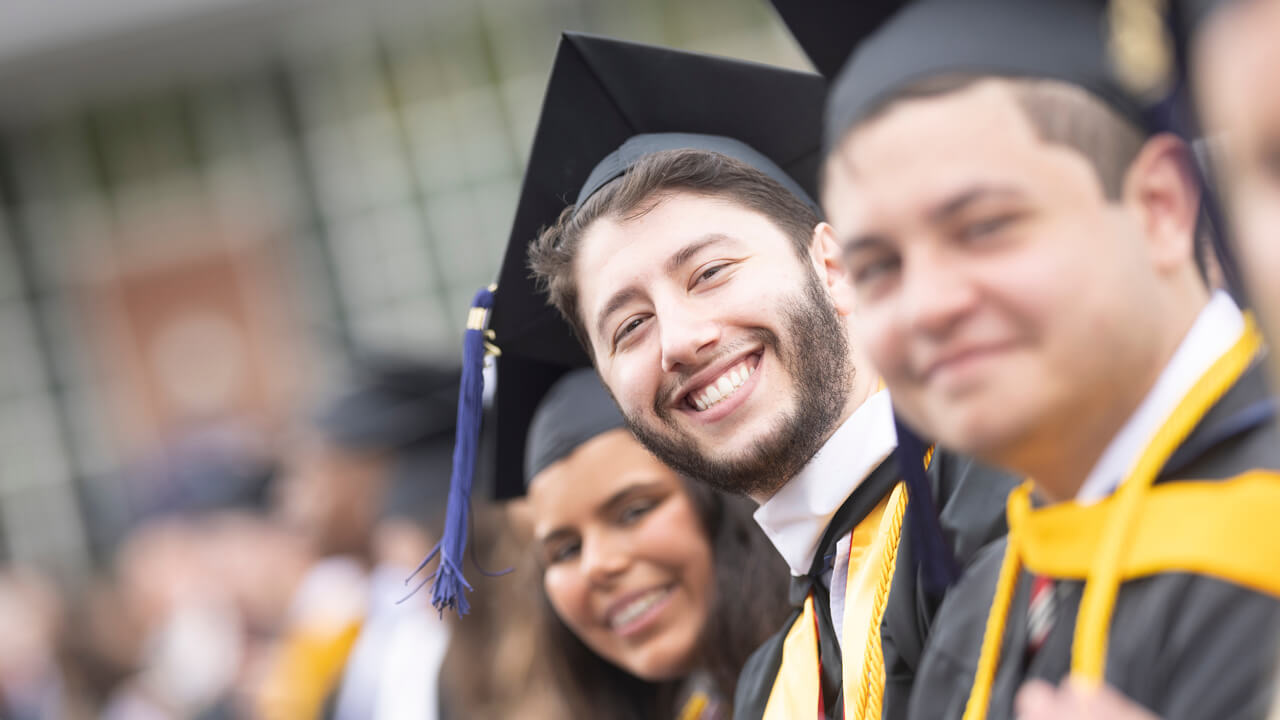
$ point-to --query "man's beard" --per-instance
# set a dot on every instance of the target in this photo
(817, 359)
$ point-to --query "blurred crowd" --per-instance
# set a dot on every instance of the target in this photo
(275, 582)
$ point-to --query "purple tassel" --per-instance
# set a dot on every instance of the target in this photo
(448, 589)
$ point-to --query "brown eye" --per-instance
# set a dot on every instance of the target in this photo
(986, 228)
(709, 273)
(634, 511)
(869, 271)
(627, 328)
(562, 552)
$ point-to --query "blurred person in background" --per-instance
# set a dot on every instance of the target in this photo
(31, 617)
(393, 668)
(642, 572)
(1235, 55)
(260, 564)
(98, 648)
(189, 631)
(339, 476)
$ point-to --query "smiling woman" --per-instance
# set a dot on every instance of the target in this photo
(640, 568)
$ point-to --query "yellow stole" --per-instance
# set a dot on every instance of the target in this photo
(873, 553)
(694, 706)
(1223, 529)
(306, 671)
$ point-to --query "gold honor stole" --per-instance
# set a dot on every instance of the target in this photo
(306, 671)
(873, 554)
(1222, 529)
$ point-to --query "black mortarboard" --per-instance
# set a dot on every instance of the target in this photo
(1064, 40)
(603, 94)
(576, 409)
(390, 404)
(829, 30)
(405, 408)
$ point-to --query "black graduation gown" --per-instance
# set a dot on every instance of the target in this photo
(972, 499)
(1186, 646)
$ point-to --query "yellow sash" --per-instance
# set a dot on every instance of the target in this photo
(797, 687)
(1141, 530)
(306, 672)
(1224, 529)
(695, 706)
(873, 553)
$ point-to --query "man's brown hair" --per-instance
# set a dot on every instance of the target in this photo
(647, 183)
(1059, 112)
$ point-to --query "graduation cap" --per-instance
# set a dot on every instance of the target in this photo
(1065, 40)
(405, 408)
(829, 30)
(607, 104)
(575, 409)
(602, 94)
(392, 404)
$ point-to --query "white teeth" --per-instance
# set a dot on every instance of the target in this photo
(723, 387)
(637, 607)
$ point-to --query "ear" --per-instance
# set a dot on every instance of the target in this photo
(827, 261)
(1161, 187)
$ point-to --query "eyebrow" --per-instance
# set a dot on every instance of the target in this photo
(553, 536)
(953, 206)
(684, 254)
(670, 267)
(612, 501)
(619, 299)
(943, 212)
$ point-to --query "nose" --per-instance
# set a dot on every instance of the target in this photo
(604, 558)
(936, 293)
(687, 336)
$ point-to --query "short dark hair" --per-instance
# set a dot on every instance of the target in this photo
(1060, 113)
(648, 182)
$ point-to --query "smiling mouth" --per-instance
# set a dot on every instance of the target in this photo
(636, 608)
(723, 387)
(962, 360)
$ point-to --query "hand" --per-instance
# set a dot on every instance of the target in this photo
(1076, 699)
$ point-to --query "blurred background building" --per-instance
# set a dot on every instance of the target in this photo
(208, 208)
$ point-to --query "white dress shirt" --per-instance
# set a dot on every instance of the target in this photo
(796, 517)
(1215, 330)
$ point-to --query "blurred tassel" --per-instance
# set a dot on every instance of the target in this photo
(448, 590)
(938, 568)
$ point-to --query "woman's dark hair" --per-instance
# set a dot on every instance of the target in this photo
(738, 623)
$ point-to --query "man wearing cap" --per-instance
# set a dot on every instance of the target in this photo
(695, 270)
(1022, 256)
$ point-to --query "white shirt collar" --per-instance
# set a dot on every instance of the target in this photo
(1216, 329)
(796, 517)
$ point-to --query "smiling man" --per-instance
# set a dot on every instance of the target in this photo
(1023, 257)
(719, 316)
(697, 273)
